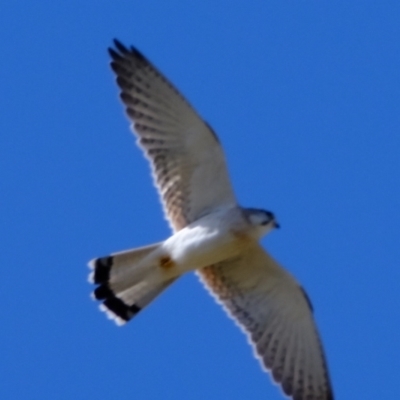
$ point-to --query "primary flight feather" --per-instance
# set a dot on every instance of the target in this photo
(212, 235)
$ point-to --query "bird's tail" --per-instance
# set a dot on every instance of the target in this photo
(127, 282)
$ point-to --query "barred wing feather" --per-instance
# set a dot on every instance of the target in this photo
(187, 160)
(276, 314)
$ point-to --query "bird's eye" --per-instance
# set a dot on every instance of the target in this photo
(265, 222)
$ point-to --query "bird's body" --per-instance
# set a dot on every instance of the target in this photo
(218, 236)
(212, 235)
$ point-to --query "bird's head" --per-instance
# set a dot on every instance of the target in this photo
(264, 221)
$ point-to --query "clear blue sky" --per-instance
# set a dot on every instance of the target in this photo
(305, 97)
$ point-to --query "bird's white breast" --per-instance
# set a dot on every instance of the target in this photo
(215, 237)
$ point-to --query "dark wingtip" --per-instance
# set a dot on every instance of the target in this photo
(114, 55)
(137, 53)
(120, 46)
(122, 50)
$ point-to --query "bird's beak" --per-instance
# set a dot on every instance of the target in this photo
(277, 226)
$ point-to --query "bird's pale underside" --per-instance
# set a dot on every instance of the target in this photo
(212, 234)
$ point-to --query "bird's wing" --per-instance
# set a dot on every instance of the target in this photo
(186, 157)
(276, 314)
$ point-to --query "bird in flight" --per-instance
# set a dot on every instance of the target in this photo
(212, 235)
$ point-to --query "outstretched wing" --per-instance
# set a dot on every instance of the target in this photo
(277, 317)
(187, 160)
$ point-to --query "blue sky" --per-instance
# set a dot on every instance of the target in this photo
(305, 97)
